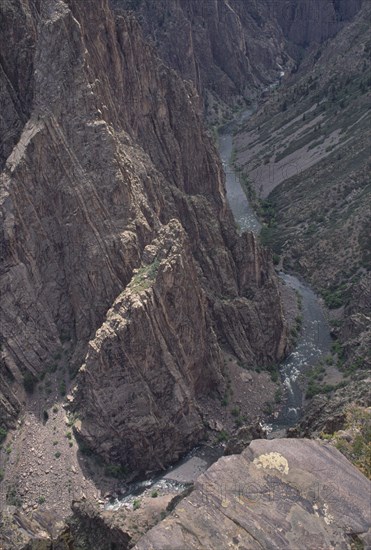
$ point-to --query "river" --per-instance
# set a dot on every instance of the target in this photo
(314, 341)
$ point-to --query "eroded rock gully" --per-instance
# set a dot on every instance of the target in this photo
(110, 170)
(121, 265)
(233, 49)
(228, 49)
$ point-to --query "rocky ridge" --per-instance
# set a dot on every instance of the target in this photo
(149, 392)
(110, 164)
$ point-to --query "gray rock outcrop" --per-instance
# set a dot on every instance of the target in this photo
(281, 494)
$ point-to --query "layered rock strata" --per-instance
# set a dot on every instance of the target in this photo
(230, 50)
(110, 171)
(281, 493)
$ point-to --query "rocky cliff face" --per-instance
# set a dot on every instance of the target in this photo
(232, 50)
(148, 392)
(305, 22)
(229, 49)
(16, 26)
(107, 168)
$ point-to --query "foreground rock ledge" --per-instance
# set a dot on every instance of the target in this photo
(281, 493)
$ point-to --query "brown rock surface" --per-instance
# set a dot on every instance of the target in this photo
(111, 147)
(35, 532)
(283, 493)
(151, 358)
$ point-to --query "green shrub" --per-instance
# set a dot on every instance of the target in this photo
(314, 389)
(222, 436)
(12, 497)
(57, 454)
(115, 470)
(334, 298)
(225, 401)
(273, 371)
(268, 408)
(154, 494)
(337, 348)
(266, 236)
(278, 396)
(235, 411)
(276, 259)
(136, 504)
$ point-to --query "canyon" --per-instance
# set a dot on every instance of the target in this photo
(305, 159)
(138, 319)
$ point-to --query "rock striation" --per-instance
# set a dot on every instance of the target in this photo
(283, 493)
(308, 22)
(154, 354)
(230, 50)
(108, 170)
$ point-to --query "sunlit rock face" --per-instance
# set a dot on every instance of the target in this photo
(282, 493)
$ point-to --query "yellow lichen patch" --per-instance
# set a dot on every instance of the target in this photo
(274, 461)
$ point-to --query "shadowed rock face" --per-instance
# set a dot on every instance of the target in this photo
(233, 49)
(281, 493)
(17, 26)
(305, 22)
(228, 49)
(111, 171)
